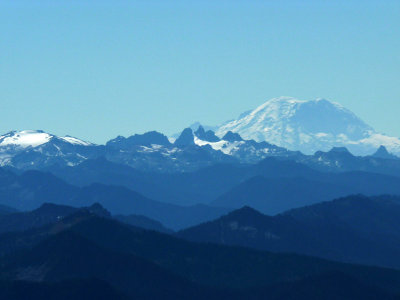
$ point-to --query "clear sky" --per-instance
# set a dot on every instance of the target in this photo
(97, 69)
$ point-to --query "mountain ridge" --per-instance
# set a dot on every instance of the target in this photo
(353, 229)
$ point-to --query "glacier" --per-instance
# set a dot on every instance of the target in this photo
(309, 126)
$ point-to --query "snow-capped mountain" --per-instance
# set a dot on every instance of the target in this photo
(25, 138)
(31, 148)
(34, 138)
(309, 126)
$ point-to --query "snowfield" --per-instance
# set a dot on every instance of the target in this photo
(309, 126)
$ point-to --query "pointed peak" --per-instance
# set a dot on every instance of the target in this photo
(232, 137)
(382, 152)
(382, 149)
(208, 135)
(186, 138)
(200, 131)
(195, 126)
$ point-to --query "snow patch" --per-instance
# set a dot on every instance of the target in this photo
(75, 141)
(25, 138)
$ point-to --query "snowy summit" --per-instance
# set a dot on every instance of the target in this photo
(34, 138)
(308, 126)
(25, 138)
(40, 148)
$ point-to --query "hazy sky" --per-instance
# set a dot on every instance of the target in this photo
(97, 69)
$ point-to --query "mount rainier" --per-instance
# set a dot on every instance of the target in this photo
(309, 126)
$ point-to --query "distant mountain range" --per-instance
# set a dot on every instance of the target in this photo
(180, 200)
(201, 174)
(153, 152)
(32, 189)
(282, 127)
(272, 185)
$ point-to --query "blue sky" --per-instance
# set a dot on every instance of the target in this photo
(97, 69)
